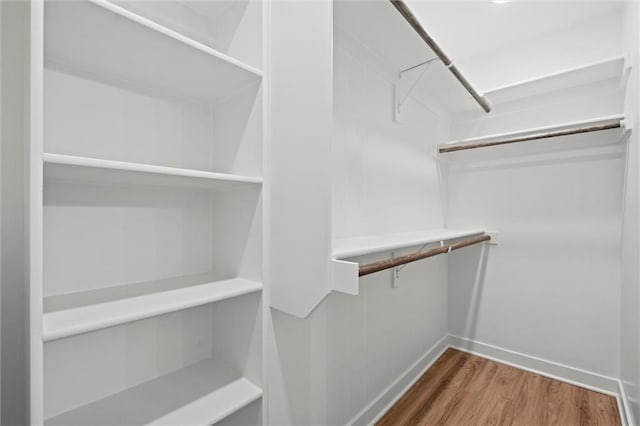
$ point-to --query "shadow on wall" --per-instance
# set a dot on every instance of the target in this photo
(289, 369)
(466, 289)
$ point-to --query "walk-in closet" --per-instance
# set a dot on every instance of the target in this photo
(323, 212)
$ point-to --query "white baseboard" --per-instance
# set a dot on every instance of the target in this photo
(554, 370)
(381, 404)
(575, 376)
(623, 406)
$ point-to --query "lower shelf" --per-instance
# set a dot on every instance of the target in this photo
(201, 394)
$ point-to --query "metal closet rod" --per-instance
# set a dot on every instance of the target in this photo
(536, 136)
(397, 261)
(413, 21)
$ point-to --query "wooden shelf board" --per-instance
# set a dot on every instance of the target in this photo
(69, 167)
(358, 246)
(99, 40)
(200, 394)
(115, 310)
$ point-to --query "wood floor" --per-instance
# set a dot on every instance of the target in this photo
(463, 389)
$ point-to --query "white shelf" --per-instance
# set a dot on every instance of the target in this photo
(599, 121)
(68, 167)
(94, 310)
(599, 143)
(201, 394)
(358, 246)
(609, 69)
(102, 41)
(381, 33)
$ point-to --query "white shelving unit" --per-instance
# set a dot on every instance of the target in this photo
(150, 150)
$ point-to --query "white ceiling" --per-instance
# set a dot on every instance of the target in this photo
(467, 29)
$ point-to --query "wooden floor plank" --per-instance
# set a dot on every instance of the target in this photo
(462, 389)
(426, 390)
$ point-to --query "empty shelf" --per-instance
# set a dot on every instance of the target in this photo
(358, 246)
(596, 73)
(112, 311)
(201, 394)
(102, 41)
(588, 133)
(68, 167)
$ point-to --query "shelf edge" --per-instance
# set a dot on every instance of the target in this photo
(95, 163)
(555, 74)
(525, 132)
(252, 391)
(62, 324)
(349, 253)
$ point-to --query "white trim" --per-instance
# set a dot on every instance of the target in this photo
(266, 208)
(35, 214)
(553, 370)
(389, 396)
(626, 415)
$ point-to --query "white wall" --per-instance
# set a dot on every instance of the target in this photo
(385, 178)
(551, 288)
(326, 368)
(15, 81)
(630, 320)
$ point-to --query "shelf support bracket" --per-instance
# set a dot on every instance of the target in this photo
(401, 99)
(395, 272)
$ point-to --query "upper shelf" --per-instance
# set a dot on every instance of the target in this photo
(69, 167)
(612, 69)
(397, 45)
(358, 246)
(99, 40)
(566, 136)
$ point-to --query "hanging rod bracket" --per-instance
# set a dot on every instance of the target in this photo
(399, 99)
(627, 123)
(412, 20)
(428, 61)
(494, 237)
(395, 272)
